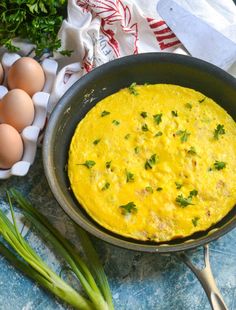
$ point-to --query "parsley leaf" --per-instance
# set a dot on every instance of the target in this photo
(195, 220)
(106, 186)
(183, 202)
(104, 113)
(192, 151)
(143, 114)
(188, 106)
(108, 164)
(136, 149)
(183, 135)
(115, 122)
(130, 207)
(89, 164)
(202, 100)
(219, 131)
(132, 89)
(150, 162)
(37, 21)
(149, 189)
(158, 134)
(95, 142)
(157, 118)
(159, 189)
(145, 127)
(174, 113)
(129, 177)
(219, 165)
(192, 193)
(127, 136)
(178, 185)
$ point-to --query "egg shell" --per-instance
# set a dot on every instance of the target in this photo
(0, 111)
(27, 74)
(1, 73)
(11, 146)
(31, 134)
(17, 109)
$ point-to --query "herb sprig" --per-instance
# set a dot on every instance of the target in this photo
(130, 207)
(132, 89)
(186, 201)
(105, 113)
(219, 165)
(143, 114)
(174, 113)
(36, 21)
(151, 162)
(129, 176)
(88, 164)
(184, 134)
(192, 151)
(219, 131)
(158, 118)
(195, 220)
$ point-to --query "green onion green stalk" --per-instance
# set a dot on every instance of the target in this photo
(99, 296)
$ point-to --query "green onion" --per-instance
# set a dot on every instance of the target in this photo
(65, 249)
(34, 266)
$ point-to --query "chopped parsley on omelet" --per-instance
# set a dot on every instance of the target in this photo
(155, 162)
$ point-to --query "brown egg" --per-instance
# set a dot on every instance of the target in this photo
(1, 73)
(27, 74)
(11, 146)
(0, 111)
(17, 109)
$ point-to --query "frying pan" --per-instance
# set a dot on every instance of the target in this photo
(101, 82)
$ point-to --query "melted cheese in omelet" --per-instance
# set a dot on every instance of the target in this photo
(155, 162)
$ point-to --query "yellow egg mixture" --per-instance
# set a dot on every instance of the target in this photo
(155, 162)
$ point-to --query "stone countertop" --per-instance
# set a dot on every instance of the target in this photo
(138, 280)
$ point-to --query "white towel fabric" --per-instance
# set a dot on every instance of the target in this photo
(101, 30)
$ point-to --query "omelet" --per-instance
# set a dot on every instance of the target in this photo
(155, 162)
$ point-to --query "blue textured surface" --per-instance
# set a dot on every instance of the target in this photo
(138, 280)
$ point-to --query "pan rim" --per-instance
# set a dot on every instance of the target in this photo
(60, 197)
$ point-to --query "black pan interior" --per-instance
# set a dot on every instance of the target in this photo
(105, 80)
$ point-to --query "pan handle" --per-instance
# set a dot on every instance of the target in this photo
(206, 278)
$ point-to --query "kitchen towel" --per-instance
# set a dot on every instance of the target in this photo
(98, 31)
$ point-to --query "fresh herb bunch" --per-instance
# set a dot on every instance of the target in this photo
(37, 21)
